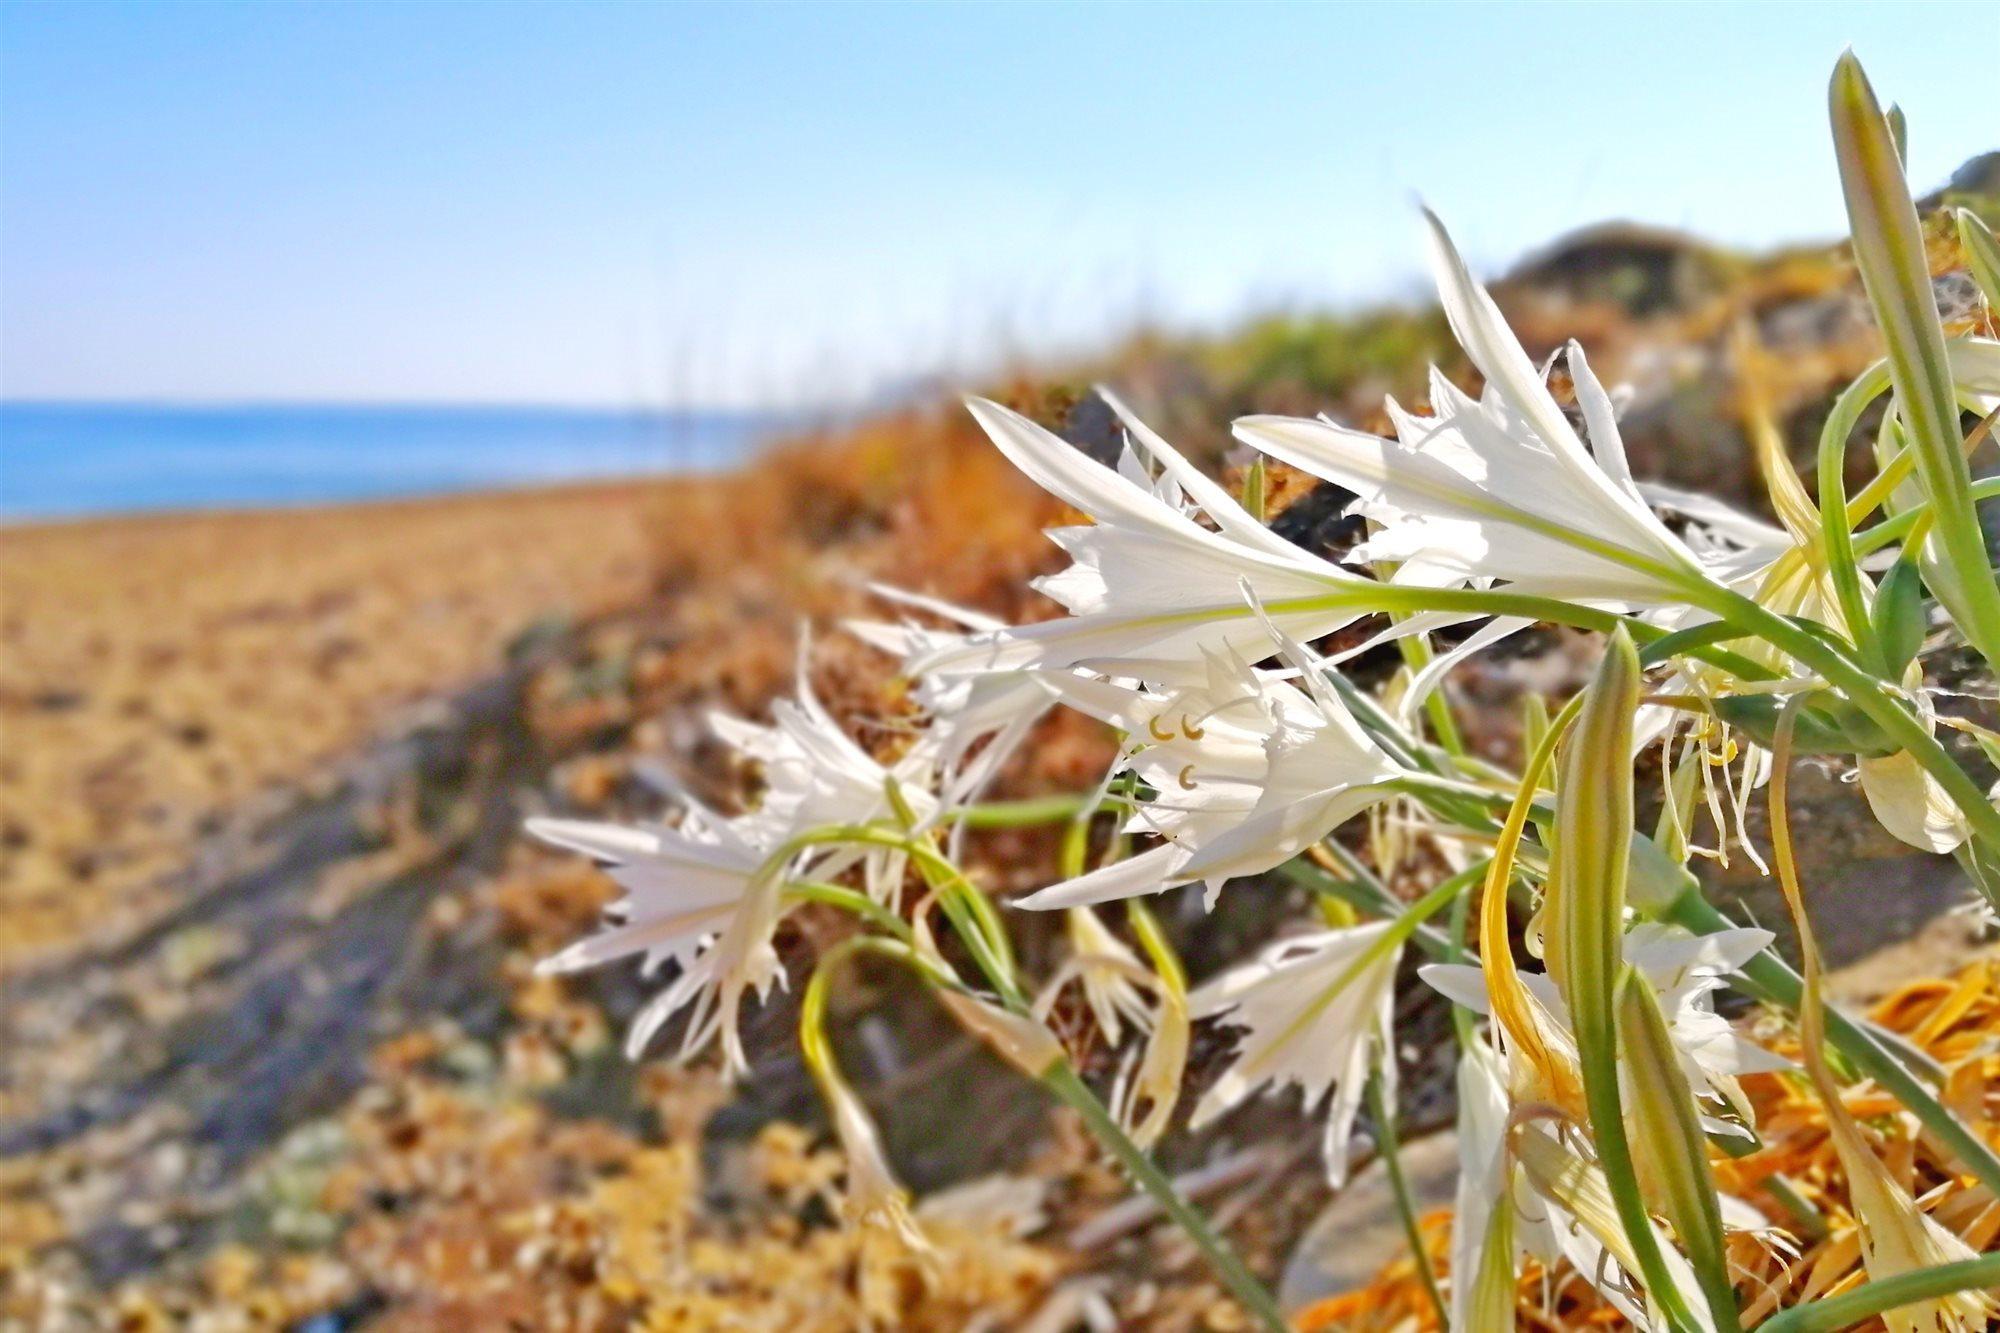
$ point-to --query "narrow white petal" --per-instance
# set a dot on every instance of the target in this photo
(1148, 872)
(603, 842)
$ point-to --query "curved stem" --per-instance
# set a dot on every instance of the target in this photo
(1835, 527)
(1870, 540)
(995, 962)
(1873, 1298)
(849, 900)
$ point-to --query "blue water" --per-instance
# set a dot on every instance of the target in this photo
(60, 460)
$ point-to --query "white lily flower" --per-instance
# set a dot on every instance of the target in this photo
(1685, 971)
(1909, 803)
(962, 709)
(1322, 769)
(815, 774)
(1316, 1010)
(1485, 1182)
(1560, 1207)
(1148, 581)
(1906, 800)
(701, 896)
(1115, 987)
(709, 894)
(1498, 488)
(1247, 768)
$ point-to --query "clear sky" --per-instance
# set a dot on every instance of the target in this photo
(757, 204)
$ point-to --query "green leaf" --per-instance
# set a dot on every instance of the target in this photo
(1898, 615)
(1828, 725)
(1585, 933)
(1873, 1298)
(1889, 250)
(1667, 1133)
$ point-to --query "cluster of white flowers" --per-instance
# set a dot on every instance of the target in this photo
(1240, 749)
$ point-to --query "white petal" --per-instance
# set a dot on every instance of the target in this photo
(603, 842)
(1148, 872)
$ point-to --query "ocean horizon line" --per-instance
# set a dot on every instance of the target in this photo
(38, 402)
(66, 458)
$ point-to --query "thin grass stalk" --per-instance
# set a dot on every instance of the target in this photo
(1255, 1298)
(1873, 1298)
(1399, 1187)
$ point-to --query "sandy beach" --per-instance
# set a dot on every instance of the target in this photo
(157, 672)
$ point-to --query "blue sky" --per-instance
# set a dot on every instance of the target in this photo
(763, 204)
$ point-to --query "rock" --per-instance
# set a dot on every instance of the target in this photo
(1644, 270)
(1360, 1231)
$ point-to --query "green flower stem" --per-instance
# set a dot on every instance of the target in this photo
(1159, 949)
(1417, 654)
(971, 916)
(1870, 540)
(969, 911)
(1393, 599)
(848, 900)
(814, 1043)
(1893, 473)
(1767, 978)
(1835, 528)
(1873, 1298)
(1369, 895)
(1584, 922)
(1399, 1185)
(1027, 813)
(1063, 1081)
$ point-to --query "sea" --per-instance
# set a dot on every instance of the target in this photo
(72, 460)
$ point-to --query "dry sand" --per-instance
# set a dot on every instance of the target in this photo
(156, 672)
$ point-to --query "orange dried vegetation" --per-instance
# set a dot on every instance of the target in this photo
(1952, 1020)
